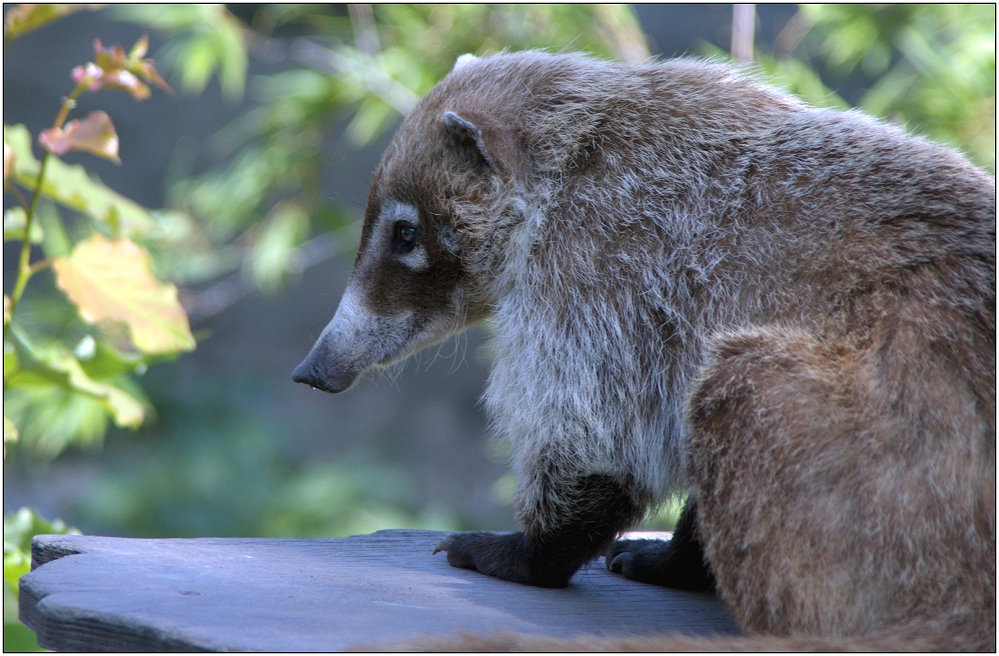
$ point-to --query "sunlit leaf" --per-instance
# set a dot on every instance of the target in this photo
(6, 309)
(93, 134)
(52, 365)
(72, 187)
(102, 361)
(27, 17)
(18, 139)
(140, 48)
(111, 280)
(13, 226)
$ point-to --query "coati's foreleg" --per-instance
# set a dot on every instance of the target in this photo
(558, 537)
(676, 563)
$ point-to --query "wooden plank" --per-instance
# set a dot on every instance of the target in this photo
(91, 593)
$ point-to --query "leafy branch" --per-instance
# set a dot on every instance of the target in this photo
(106, 276)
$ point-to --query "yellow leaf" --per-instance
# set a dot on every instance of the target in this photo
(111, 280)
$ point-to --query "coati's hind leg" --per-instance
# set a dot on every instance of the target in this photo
(842, 491)
(675, 563)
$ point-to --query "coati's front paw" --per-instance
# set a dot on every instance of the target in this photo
(504, 555)
(660, 562)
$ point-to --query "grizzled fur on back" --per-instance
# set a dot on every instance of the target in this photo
(700, 283)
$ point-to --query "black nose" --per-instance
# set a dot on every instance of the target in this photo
(311, 374)
(304, 373)
(307, 374)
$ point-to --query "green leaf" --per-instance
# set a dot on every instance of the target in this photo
(53, 365)
(111, 280)
(275, 249)
(70, 186)
(18, 139)
(102, 361)
(13, 226)
(20, 527)
(50, 418)
(18, 530)
(55, 241)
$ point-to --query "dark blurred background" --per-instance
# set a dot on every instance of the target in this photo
(237, 155)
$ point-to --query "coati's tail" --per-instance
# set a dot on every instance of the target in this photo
(964, 634)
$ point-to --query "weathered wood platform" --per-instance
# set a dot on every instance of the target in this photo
(90, 593)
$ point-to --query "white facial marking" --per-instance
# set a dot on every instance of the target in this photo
(416, 259)
(364, 338)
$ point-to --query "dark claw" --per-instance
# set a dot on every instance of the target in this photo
(673, 564)
(620, 562)
(443, 545)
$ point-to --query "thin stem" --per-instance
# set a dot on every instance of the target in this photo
(24, 271)
(40, 265)
(24, 268)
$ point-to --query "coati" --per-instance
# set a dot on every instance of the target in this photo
(700, 284)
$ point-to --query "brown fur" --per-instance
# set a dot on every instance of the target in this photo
(700, 284)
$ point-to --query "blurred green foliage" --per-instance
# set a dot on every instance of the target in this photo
(70, 357)
(214, 464)
(930, 67)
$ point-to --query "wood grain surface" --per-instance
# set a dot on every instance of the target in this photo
(91, 593)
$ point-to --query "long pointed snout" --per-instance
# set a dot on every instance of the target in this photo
(354, 340)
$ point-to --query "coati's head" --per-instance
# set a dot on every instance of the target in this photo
(436, 204)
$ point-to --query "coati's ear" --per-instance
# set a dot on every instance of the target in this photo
(468, 135)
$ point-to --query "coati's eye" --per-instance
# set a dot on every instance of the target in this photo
(403, 236)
